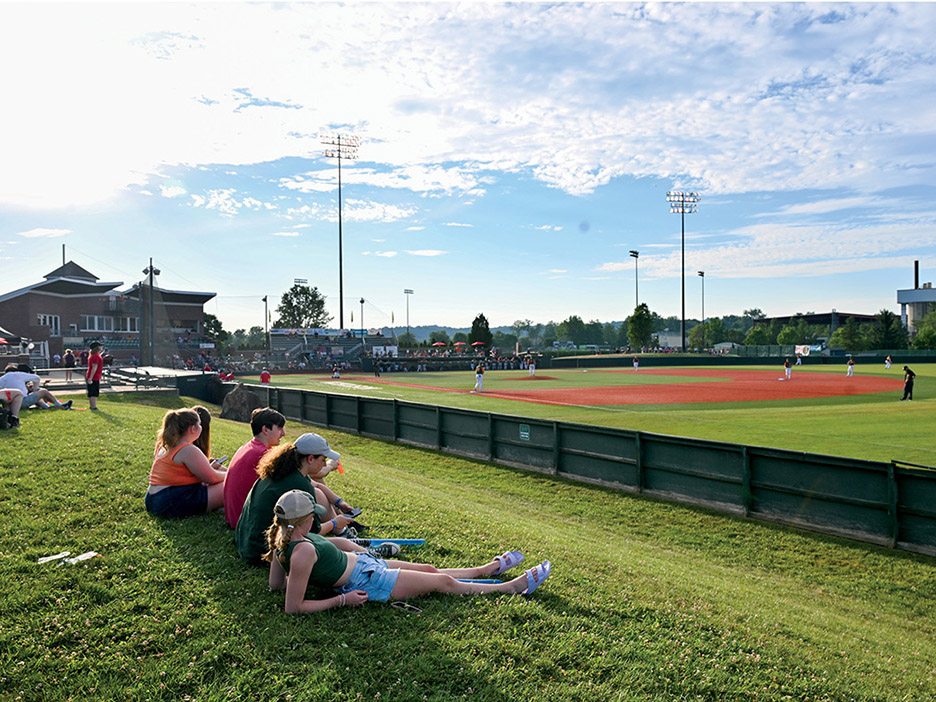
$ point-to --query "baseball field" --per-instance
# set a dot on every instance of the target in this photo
(819, 410)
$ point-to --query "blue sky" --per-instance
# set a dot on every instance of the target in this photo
(511, 155)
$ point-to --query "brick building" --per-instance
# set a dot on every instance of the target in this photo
(71, 307)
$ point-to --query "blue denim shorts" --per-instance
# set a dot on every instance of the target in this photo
(373, 576)
(178, 501)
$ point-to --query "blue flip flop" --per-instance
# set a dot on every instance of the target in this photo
(507, 560)
(537, 576)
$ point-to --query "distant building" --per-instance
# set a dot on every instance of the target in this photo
(70, 307)
(916, 303)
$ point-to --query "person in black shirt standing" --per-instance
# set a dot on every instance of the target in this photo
(909, 375)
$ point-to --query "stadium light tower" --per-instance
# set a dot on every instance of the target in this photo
(683, 203)
(341, 146)
(634, 255)
(702, 276)
(407, 292)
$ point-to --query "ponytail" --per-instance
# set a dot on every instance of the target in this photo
(280, 534)
(175, 424)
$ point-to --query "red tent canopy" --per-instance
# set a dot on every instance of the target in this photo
(439, 343)
(459, 343)
(478, 343)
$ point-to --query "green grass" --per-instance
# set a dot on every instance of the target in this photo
(648, 601)
(872, 427)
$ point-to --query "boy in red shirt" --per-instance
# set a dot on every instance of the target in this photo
(93, 375)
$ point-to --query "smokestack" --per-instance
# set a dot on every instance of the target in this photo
(916, 275)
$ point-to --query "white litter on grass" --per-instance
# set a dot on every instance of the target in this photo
(82, 557)
(46, 559)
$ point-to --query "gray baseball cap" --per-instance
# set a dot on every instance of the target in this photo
(315, 445)
(296, 504)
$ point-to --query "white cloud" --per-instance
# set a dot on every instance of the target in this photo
(172, 191)
(729, 97)
(456, 224)
(549, 228)
(386, 254)
(414, 229)
(427, 252)
(286, 234)
(44, 233)
(555, 270)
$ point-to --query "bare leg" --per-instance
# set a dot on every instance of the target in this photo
(413, 584)
(215, 496)
(343, 544)
(477, 572)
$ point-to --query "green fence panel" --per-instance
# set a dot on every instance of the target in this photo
(698, 470)
(608, 456)
(377, 417)
(290, 403)
(849, 496)
(916, 500)
(521, 441)
(343, 412)
(417, 423)
(465, 432)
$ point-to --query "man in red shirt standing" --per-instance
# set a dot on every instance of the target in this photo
(265, 377)
(93, 375)
(267, 427)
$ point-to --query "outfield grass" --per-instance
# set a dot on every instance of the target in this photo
(873, 427)
(648, 600)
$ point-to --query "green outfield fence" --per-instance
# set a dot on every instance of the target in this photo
(890, 504)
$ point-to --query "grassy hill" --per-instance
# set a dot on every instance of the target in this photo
(648, 601)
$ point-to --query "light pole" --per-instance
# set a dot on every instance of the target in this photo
(634, 255)
(407, 292)
(150, 271)
(266, 331)
(362, 321)
(344, 146)
(683, 203)
(702, 276)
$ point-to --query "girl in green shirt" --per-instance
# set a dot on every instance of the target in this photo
(299, 559)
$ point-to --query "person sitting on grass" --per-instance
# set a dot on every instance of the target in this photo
(300, 559)
(182, 483)
(33, 394)
(282, 469)
(12, 399)
(203, 442)
(267, 425)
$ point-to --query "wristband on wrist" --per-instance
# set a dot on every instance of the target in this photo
(342, 600)
(338, 500)
(334, 526)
